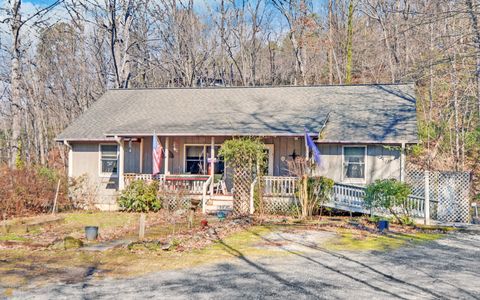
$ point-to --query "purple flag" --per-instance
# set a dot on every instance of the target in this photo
(311, 145)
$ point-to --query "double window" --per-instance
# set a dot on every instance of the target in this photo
(108, 160)
(197, 159)
(354, 163)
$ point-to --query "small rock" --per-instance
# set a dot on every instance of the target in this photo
(71, 243)
(211, 231)
(167, 246)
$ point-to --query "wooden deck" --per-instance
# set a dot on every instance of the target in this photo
(279, 190)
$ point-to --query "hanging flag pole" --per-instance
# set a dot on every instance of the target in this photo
(310, 144)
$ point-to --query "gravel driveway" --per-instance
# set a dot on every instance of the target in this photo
(444, 269)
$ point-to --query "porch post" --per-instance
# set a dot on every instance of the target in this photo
(121, 163)
(427, 197)
(141, 156)
(166, 156)
(212, 162)
(402, 163)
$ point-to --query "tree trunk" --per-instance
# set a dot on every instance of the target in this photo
(476, 38)
(330, 42)
(16, 78)
(348, 67)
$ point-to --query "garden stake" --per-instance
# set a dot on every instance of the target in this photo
(141, 231)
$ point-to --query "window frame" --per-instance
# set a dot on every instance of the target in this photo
(355, 180)
(270, 158)
(108, 174)
(205, 158)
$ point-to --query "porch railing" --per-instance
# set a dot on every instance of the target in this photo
(205, 189)
(130, 177)
(279, 186)
(191, 184)
(351, 197)
(348, 196)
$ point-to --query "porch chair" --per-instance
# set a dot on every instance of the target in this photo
(219, 185)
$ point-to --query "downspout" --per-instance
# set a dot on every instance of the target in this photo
(121, 179)
(402, 163)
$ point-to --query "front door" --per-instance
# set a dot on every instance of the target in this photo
(268, 165)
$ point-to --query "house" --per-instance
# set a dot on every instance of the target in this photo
(364, 131)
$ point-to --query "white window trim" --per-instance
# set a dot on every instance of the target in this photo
(108, 175)
(204, 148)
(354, 180)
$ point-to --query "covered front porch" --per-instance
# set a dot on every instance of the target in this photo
(192, 164)
(277, 191)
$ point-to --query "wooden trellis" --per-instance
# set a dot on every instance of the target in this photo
(242, 180)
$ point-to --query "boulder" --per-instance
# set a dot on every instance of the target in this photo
(71, 243)
(67, 243)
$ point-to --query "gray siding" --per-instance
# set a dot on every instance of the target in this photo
(283, 147)
(86, 162)
(381, 162)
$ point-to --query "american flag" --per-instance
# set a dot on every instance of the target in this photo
(157, 155)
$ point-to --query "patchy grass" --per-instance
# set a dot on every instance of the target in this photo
(22, 266)
(439, 228)
(111, 225)
(13, 237)
(365, 241)
(99, 218)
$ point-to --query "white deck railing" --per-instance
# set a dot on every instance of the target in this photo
(348, 196)
(351, 197)
(344, 196)
(205, 189)
(191, 184)
(279, 186)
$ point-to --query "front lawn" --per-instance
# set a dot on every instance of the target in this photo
(32, 258)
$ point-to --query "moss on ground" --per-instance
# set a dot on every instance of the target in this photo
(355, 241)
(24, 266)
(21, 266)
(13, 237)
(104, 220)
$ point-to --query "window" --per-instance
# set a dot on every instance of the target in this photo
(197, 159)
(354, 163)
(108, 159)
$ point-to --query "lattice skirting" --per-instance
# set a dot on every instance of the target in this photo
(280, 205)
(449, 193)
(174, 202)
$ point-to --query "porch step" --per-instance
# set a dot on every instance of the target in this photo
(209, 209)
(215, 202)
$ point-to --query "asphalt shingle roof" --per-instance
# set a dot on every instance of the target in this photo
(358, 113)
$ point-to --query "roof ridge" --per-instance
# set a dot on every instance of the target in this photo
(261, 86)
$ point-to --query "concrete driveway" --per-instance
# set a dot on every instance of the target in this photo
(444, 269)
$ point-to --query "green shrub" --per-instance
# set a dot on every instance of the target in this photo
(140, 197)
(48, 173)
(388, 194)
